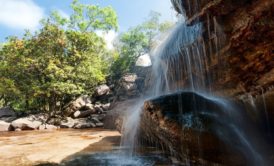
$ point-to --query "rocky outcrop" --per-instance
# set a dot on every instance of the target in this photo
(193, 128)
(248, 27)
(114, 118)
(82, 123)
(238, 60)
(102, 90)
(128, 87)
(82, 103)
(238, 41)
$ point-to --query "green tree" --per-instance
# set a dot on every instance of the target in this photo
(137, 41)
(46, 70)
(87, 18)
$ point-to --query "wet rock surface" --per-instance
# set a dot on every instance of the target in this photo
(244, 62)
(187, 132)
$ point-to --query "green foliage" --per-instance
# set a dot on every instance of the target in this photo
(137, 41)
(87, 18)
(45, 70)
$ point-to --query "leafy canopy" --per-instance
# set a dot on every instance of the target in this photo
(63, 60)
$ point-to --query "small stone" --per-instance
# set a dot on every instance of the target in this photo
(17, 129)
(99, 124)
(47, 127)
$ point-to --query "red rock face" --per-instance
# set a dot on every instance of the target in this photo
(249, 47)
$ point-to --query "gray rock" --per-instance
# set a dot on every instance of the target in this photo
(127, 87)
(82, 114)
(7, 112)
(105, 107)
(4, 126)
(90, 107)
(130, 78)
(8, 119)
(77, 114)
(48, 127)
(83, 100)
(95, 120)
(100, 124)
(102, 90)
(26, 124)
(100, 117)
(55, 121)
(98, 109)
(68, 123)
(81, 103)
(38, 117)
(84, 125)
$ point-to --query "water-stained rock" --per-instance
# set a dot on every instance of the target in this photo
(184, 125)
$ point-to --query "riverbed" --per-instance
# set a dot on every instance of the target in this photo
(71, 148)
(33, 147)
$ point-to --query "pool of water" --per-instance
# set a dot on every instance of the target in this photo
(118, 157)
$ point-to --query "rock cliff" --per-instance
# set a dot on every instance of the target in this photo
(248, 48)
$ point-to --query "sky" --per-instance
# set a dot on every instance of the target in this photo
(18, 15)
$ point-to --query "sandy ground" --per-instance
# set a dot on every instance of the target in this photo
(32, 147)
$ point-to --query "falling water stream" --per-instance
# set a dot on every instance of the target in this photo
(181, 62)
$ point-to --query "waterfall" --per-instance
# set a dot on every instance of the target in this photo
(183, 61)
(130, 127)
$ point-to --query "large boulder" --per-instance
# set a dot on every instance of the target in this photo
(192, 127)
(67, 123)
(128, 87)
(114, 117)
(4, 126)
(82, 103)
(26, 124)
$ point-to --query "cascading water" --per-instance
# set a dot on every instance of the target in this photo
(130, 127)
(182, 62)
